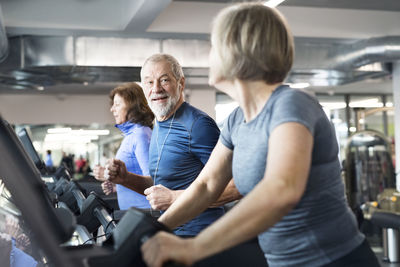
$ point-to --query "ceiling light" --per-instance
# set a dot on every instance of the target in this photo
(333, 105)
(367, 103)
(299, 85)
(58, 130)
(82, 132)
(70, 138)
(273, 3)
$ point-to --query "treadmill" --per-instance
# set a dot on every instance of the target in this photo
(54, 236)
(52, 230)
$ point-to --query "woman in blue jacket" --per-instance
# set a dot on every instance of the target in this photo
(134, 119)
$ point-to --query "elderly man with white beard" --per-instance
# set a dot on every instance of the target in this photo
(182, 141)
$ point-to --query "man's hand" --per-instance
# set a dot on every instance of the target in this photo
(22, 242)
(98, 172)
(108, 187)
(160, 197)
(116, 171)
(12, 226)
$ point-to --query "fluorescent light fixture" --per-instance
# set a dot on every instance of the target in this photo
(367, 103)
(67, 135)
(333, 105)
(90, 132)
(299, 85)
(80, 132)
(70, 138)
(273, 3)
(58, 130)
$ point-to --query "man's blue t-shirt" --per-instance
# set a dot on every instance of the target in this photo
(179, 149)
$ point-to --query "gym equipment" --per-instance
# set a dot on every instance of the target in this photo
(52, 228)
(368, 167)
(390, 223)
(27, 143)
(70, 192)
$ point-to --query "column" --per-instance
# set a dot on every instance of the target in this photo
(396, 100)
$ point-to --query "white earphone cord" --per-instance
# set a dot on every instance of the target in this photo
(159, 153)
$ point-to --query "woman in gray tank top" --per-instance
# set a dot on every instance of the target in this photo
(282, 152)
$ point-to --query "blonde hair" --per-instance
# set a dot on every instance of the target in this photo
(253, 42)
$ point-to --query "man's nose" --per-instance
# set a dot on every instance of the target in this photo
(157, 88)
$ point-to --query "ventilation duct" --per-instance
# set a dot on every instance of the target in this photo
(37, 62)
(366, 52)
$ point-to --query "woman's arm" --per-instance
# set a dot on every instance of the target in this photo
(284, 182)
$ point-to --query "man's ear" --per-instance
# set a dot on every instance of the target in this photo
(181, 84)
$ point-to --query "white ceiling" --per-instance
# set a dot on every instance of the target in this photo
(105, 17)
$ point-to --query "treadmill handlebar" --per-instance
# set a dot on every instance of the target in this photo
(80, 198)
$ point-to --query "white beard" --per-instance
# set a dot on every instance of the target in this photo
(161, 111)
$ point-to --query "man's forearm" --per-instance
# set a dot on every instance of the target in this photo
(138, 183)
(180, 212)
(230, 194)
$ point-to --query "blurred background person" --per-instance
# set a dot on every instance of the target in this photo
(79, 163)
(48, 161)
(67, 160)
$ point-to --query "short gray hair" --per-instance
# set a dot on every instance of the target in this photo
(176, 68)
(253, 42)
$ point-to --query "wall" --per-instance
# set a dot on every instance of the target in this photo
(53, 109)
(204, 99)
(77, 109)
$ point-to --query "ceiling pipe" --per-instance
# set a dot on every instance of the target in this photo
(365, 52)
(3, 39)
(37, 61)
